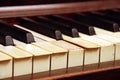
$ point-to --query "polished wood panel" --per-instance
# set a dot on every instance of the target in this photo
(60, 8)
(111, 73)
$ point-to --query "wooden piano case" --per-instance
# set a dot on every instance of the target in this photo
(20, 8)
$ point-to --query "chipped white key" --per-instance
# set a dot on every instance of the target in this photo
(5, 66)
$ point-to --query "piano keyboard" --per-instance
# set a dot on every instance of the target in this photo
(40, 46)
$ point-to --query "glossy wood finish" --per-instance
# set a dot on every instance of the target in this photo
(60, 8)
(110, 73)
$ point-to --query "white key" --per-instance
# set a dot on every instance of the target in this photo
(91, 58)
(43, 45)
(38, 49)
(90, 47)
(48, 46)
(5, 66)
(36, 34)
(106, 50)
(41, 57)
(75, 56)
(98, 31)
(113, 37)
(79, 42)
(58, 58)
(22, 60)
(74, 51)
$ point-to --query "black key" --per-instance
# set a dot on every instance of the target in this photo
(16, 33)
(98, 22)
(116, 10)
(40, 28)
(89, 30)
(114, 14)
(65, 29)
(5, 39)
(104, 16)
(111, 13)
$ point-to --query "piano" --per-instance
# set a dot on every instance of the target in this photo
(60, 40)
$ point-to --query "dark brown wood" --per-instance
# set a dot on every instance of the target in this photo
(110, 73)
(35, 2)
(34, 10)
